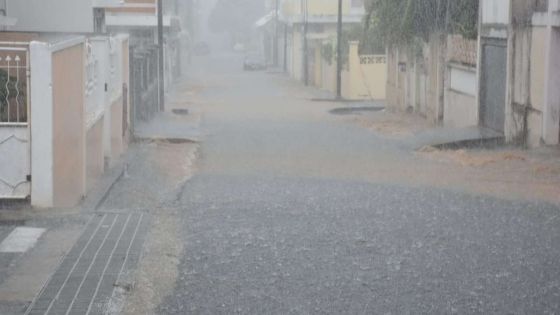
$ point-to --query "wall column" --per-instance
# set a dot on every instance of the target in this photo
(42, 192)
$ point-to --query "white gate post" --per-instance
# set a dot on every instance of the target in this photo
(41, 124)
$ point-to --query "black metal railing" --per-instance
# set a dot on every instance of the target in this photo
(143, 83)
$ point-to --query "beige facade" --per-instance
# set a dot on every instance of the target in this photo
(366, 77)
(532, 107)
(319, 7)
(69, 180)
(77, 120)
(415, 82)
(95, 159)
(461, 79)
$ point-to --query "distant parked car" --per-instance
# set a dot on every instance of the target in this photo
(239, 47)
(201, 49)
(254, 61)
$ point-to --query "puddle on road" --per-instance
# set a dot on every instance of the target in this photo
(355, 110)
(165, 140)
(180, 111)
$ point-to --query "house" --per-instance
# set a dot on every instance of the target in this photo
(308, 25)
(504, 81)
(65, 117)
(80, 74)
(137, 18)
(307, 42)
(520, 49)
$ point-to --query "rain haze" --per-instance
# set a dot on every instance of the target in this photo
(279, 157)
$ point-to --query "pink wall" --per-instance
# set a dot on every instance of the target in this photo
(68, 126)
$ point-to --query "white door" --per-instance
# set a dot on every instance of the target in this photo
(15, 163)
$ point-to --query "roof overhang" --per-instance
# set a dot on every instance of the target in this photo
(265, 19)
(322, 19)
(136, 20)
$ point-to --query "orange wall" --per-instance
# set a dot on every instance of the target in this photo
(126, 81)
(95, 160)
(68, 126)
(116, 128)
(17, 37)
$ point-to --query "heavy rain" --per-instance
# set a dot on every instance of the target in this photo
(279, 157)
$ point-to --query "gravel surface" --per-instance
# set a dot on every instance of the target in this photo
(292, 212)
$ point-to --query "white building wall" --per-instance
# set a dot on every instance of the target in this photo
(74, 16)
(495, 11)
(42, 191)
(104, 85)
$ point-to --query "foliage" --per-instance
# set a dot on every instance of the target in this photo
(328, 51)
(464, 18)
(349, 34)
(395, 22)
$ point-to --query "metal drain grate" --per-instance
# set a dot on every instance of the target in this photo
(86, 278)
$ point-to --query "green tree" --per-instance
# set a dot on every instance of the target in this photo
(400, 21)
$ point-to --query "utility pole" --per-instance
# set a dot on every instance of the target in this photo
(305, 45)
(161, 75)
(339, 53)
(286, 47)
(276, 34)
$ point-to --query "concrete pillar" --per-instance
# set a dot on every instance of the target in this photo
(551, 110)
(42, 192)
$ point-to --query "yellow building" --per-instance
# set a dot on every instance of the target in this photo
(310, 58)
(317, 19)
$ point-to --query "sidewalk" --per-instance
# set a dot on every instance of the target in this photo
(498, 170)
(74, 259)
(179, 122)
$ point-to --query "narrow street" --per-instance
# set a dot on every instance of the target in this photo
(288, 209)
(279, 157)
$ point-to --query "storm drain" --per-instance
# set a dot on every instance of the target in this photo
(85, 280)
(180, 111)
(355, 110)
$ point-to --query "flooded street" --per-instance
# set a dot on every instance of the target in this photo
(293, 210)
(279, 157)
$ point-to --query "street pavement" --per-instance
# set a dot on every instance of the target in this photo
(292, 212)
(262, 201)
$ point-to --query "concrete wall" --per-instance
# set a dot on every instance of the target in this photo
(328, 74)
(533, 98)
(461, 108)
(68, 126)
(367, 75)
(495, 11)
(95, 160)
(126, 83)
(296, 69)
(416, 82)
(316, 7)
(537, 85)
(69, 144)
(104, 92)
(461, 83)
(117, 137)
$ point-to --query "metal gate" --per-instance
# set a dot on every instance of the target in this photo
(493, 87)
(144, 83)
(15, 161)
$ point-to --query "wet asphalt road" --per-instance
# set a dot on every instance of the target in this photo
(278, 220)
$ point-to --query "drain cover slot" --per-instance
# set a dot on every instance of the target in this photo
(180, 111)
(355, 110)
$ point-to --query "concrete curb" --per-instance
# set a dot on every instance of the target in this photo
(97, 196)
